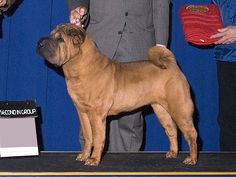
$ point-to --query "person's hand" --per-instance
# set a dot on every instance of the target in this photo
(160, 45)
(3, 3)
(78, 15)
(226, 35)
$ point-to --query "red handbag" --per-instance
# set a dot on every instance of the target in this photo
(199, 22)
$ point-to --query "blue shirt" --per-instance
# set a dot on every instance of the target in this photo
(226, 52)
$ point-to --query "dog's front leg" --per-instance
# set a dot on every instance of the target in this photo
(98, 124)
(87, 135)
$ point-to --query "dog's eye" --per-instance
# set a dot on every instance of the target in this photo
(59, 38)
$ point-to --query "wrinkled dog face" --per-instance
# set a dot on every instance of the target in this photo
(62, 44)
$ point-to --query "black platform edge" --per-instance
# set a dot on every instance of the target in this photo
(59, 163)
(220, 174)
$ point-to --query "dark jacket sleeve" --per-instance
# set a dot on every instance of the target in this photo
(8, 5)
(72, 4)
(161, 15)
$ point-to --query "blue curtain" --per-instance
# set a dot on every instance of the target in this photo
(25, 75)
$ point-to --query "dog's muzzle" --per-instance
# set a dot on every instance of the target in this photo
(46, 47)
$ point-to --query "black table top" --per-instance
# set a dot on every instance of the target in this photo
(135, 163)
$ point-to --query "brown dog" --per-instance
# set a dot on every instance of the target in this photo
(100, 87)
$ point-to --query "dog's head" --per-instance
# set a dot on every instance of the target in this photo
(63, 43)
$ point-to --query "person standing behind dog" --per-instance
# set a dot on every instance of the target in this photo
(225, 52)
(124, 30)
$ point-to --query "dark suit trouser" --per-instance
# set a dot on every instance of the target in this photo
(227, 105)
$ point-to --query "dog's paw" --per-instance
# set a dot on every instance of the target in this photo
(92, 162)
(82, 157)
(171, 154)
(190, 161)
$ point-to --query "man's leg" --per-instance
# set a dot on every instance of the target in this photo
(126, 133)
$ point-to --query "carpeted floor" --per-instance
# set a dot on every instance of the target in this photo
(141, 163)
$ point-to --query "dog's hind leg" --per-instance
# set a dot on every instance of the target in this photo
(170, 129)
(186, 126)
(181, 108)
(87, 136)
(183, 119)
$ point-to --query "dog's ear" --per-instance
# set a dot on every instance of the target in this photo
(77, 35)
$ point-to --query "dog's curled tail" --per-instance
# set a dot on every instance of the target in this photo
(161, 56)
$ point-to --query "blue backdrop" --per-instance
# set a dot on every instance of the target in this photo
(24, 75)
